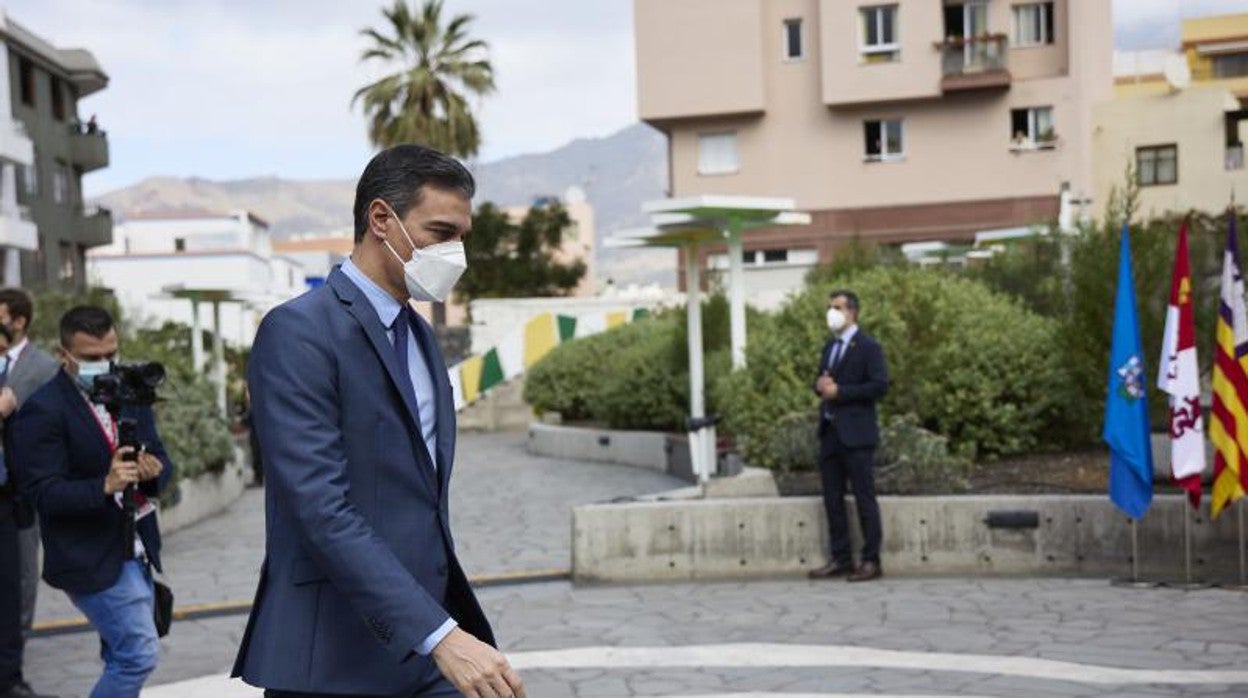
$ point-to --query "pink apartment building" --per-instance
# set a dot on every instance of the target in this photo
(904, 121)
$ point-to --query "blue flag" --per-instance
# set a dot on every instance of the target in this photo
(1126, 407)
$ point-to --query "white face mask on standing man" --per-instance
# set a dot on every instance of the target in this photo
(432, 271)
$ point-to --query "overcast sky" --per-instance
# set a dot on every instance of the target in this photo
(239, 88)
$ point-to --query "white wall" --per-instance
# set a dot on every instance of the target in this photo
(495, 318)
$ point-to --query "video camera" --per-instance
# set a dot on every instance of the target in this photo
(128, 384)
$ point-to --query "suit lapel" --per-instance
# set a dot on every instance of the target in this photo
(849, 350)
(444, 404)
(366, 316)
(82, 411)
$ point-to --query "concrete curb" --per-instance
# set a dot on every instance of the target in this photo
(1077, 535)
(79, 624)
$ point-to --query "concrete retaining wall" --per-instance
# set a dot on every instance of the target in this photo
(207, 494)
(732, 538)
(654, 450)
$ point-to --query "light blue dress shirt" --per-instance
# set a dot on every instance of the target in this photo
(388, 308)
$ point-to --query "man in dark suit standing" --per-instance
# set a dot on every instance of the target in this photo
(361, 593)
(70, 464)
(853, 377)
(29, 368)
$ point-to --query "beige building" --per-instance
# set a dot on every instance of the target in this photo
(895, 121)
(1178, 120)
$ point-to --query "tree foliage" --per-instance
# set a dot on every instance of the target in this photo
(439, 68)
(507, 259)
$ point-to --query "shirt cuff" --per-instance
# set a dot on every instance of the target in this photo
(425, 648)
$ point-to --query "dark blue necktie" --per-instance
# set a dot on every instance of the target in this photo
(836, 354)
(401, 322)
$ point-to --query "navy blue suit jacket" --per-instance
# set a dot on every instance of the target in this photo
(61, 457)
(360, 565)
(862, 379)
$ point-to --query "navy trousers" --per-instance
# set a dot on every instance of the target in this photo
(10, 597)
(839, 464)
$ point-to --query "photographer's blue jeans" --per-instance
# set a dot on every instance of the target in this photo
(122, 614)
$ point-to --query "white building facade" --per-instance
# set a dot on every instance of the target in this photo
(232, 252)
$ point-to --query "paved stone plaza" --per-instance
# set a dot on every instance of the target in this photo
(791, 638)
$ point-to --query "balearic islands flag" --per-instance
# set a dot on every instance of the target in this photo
(1229, 427)
(1180, 378)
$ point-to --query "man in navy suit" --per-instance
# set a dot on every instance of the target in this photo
(68, 463)
(852, 377)
(361, 593)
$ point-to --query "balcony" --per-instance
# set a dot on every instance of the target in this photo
(17, 230)
(974, 63)
(95, 227)
(88, 146)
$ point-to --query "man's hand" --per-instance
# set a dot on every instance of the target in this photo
(827, 387)
(150, 467)
(121, 473)
(475, 668)
(8, 402)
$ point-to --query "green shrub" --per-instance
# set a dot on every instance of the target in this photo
(913, 460)
(567, 379)
(644, 388)
(974, 366)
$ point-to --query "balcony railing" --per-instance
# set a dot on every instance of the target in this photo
(974, 62)
(95, 226)
(89, 145)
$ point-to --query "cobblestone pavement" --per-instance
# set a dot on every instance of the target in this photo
(791, 638)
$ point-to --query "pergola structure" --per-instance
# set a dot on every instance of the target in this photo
(688, 224)
(215, 296)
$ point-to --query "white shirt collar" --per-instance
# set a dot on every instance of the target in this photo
(17, 349)
(848, 333)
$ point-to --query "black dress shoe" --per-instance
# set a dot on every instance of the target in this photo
(23, 690)
(866, 572)
(830, 570)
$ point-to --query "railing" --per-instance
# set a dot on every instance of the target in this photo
(974, 54)
(89, 128)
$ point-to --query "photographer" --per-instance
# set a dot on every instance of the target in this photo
(99, 537)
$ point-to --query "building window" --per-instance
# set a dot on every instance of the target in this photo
(1032, 128)
(26, 76)
(717, 153)
(767, 258)
(179, 244)
(58, 99)
(884, 140)
(793, 39)
(60, 182)
(68, 266)
(1033, 24)
(30, 178)
(879, 34)
(1231, 65)
(1157, 164)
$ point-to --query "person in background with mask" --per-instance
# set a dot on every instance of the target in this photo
(361, 593)
(29, 368)
(852, 378)
(69, 465)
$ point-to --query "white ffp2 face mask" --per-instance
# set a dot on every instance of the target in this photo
(432, 271)
(836, 320)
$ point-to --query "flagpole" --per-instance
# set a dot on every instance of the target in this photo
(1135, 554)
(1187, 544)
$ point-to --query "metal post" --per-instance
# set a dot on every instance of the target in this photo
(1243, 578)
(1135, 554)
(197, 336)
(736, 298)
(1187, 543)
(697, 398)
(218, 355)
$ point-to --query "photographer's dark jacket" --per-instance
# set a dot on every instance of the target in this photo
(61, 457)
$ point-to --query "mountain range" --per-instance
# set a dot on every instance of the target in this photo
(617, 173)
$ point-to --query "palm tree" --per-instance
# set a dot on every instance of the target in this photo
(439, 68)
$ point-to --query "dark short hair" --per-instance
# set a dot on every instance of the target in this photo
(851, 298)
(87, 319)
(397, 175)
(19, 304)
